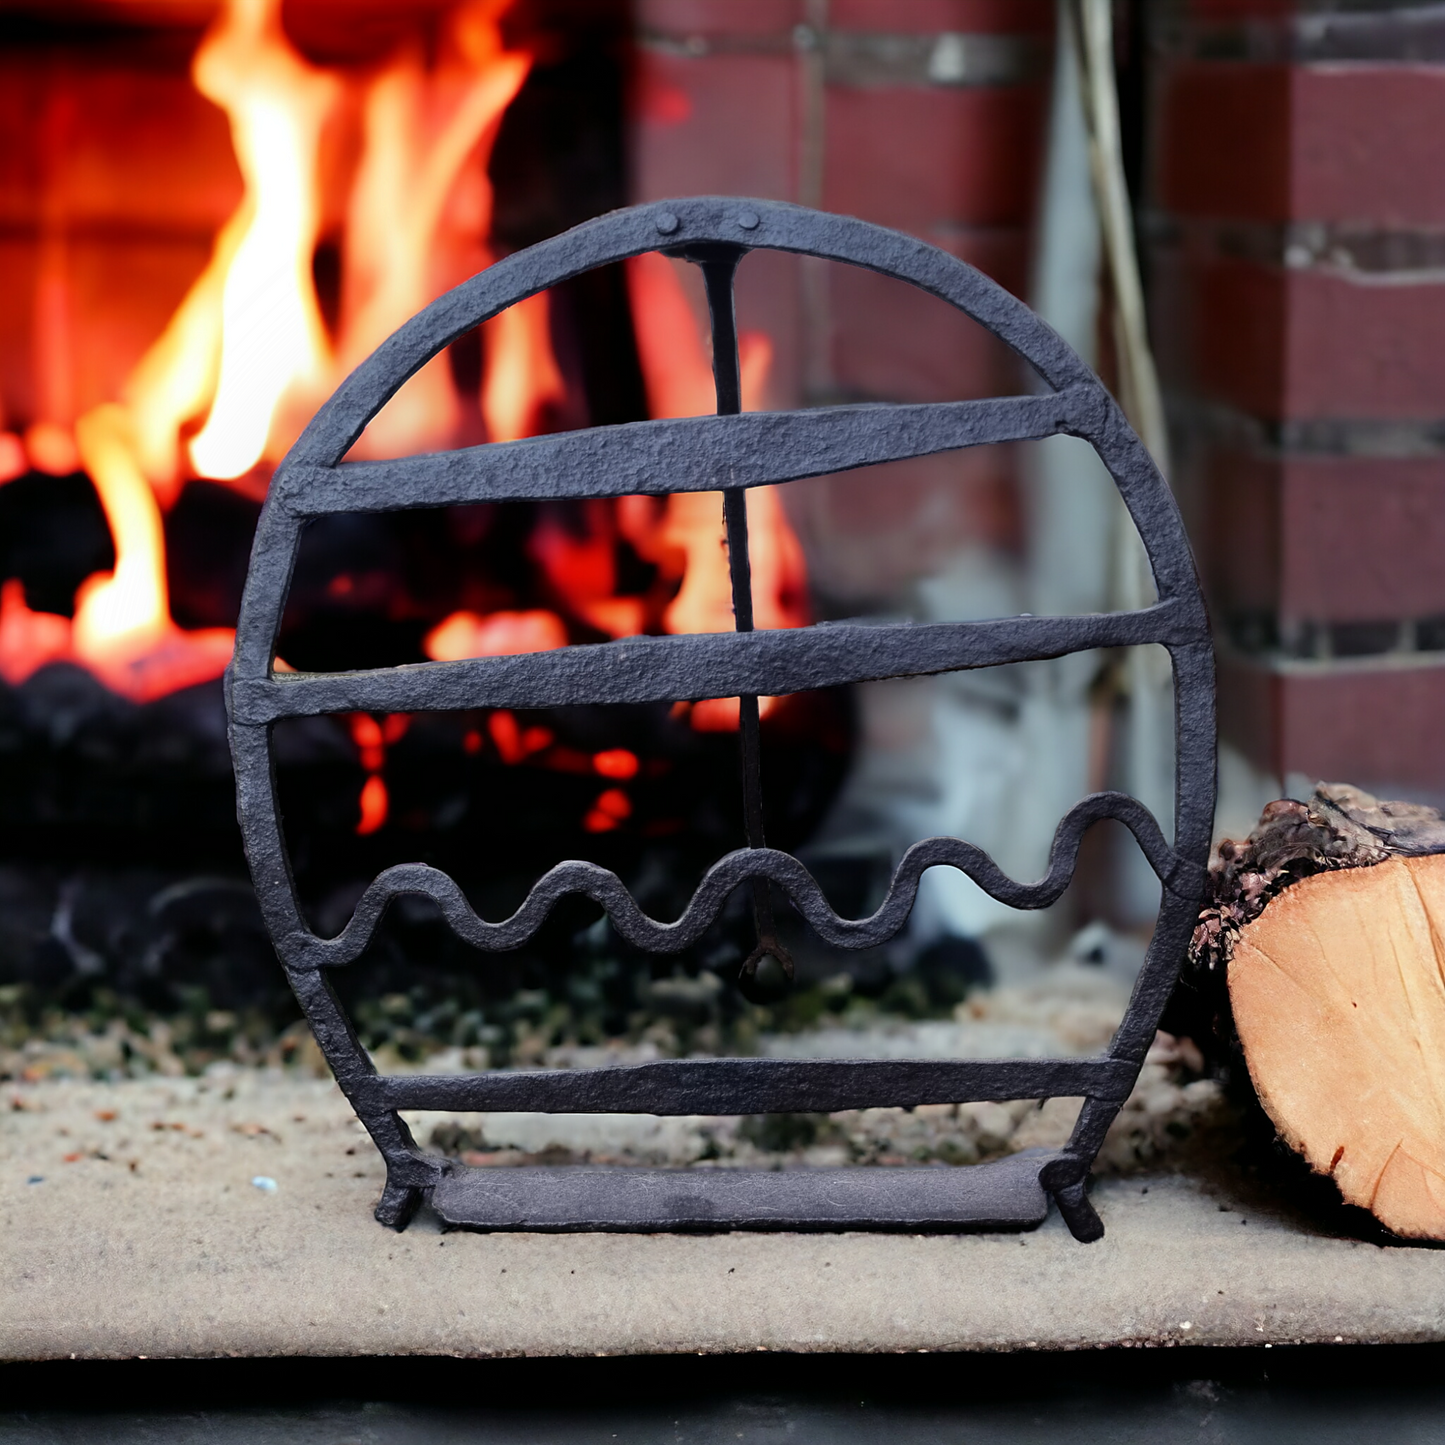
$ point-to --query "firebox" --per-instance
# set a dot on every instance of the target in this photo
(215, 214)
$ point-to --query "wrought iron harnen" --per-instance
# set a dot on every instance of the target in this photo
(728, 452)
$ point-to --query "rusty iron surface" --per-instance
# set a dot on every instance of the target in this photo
(728, 453)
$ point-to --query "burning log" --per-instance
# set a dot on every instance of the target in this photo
(1328, 927)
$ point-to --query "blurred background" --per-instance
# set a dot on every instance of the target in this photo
(210, 212)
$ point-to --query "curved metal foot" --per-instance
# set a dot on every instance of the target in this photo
(1081, 1217)
(1066, 1178)
(397, 1204)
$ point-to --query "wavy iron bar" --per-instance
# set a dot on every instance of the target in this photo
(726, 453)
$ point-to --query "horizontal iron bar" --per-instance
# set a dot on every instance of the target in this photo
(704, 665)
(1005, 1194)
(687, 454)
(755, 1086)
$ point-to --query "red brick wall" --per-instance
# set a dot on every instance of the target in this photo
(1298, 278)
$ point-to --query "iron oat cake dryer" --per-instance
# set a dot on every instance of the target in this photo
(729, 452)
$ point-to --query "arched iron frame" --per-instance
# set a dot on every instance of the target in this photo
(728, 453)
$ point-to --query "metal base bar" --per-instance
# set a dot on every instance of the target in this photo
(1002, 1195)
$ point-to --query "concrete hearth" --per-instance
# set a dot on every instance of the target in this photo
(153, 1240)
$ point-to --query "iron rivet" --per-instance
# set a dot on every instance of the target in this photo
(748, 220)
(665, 222)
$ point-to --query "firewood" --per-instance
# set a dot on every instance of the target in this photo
(1329, 927)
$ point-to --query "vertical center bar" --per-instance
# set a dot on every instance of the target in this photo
(719, 269)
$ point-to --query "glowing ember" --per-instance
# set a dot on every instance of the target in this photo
(372, 739)
(375, 804)
(502, 634)
(51, 449)
(611, 808)
(13, 462)
(616, 763)
(28, 640)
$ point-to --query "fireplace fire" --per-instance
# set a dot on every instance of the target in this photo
(227, 212)
(365, 192)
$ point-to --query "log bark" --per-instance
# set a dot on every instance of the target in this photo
(1328, 925)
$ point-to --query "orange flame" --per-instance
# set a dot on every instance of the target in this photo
(682, 536)
(678, 377)
(247, 349)
(522, 378)
(409, 226)
(271, 332)
(246, 357)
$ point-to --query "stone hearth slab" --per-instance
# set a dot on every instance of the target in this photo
(143, 1233)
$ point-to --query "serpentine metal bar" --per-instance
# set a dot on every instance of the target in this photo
(302, 948)
(661, 669)
(750, 1086)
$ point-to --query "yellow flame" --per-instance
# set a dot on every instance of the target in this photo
(123, 630)
(247, 349)
(131, 602)
(272, 335)
(176, 377)
(521, 378)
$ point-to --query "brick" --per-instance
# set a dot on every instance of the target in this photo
(728, 124)
(1342, 143)
(931, 17)
(720, 17)
(1363, 350)
(923, 159)
(769, 299)
(725, 125)
(1301, 344)
(1219, 324)
(1376, 726)
(1225, 10)
(1223, 143)
(718, 124)
(1368, 144)
(1327, 539)
(893, 17)
(868, 534)
(1237, 539)
(893, 342)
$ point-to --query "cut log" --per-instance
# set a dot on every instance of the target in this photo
(1330, 927)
